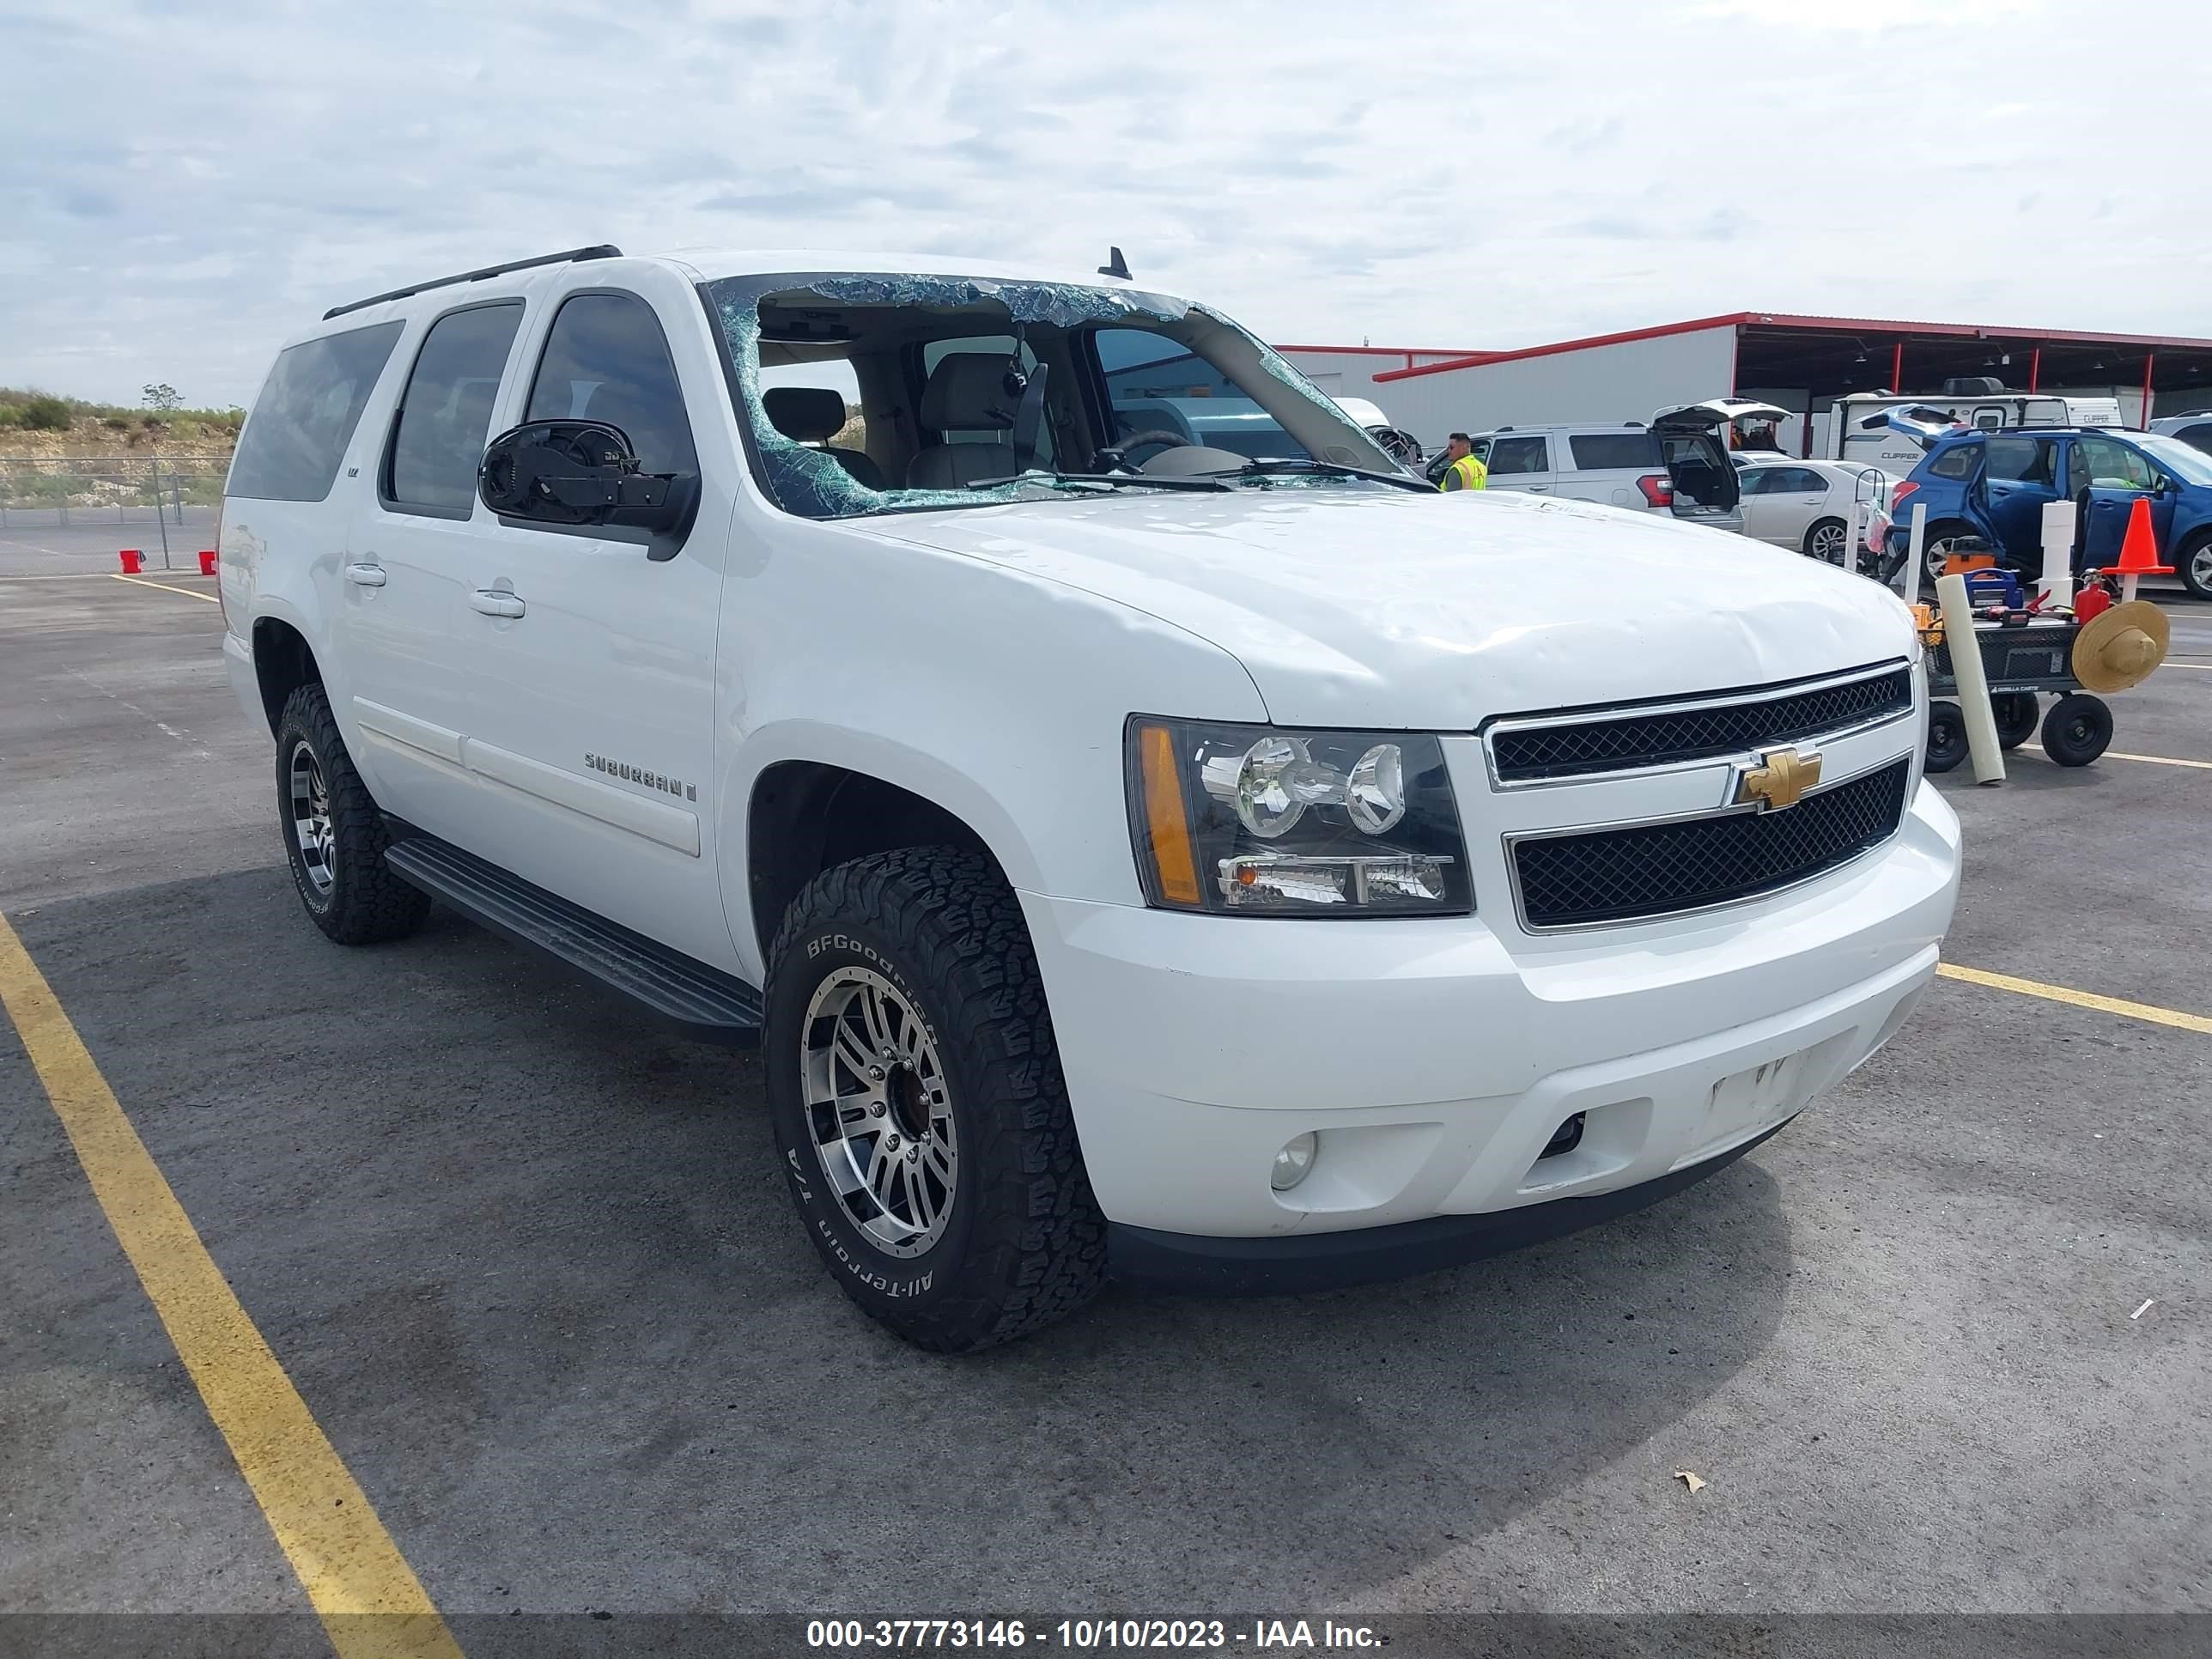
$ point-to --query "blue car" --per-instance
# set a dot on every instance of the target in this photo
(1994, 485)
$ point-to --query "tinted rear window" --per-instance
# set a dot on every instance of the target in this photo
(305, 416)
(1954, 464)
(1594, 451)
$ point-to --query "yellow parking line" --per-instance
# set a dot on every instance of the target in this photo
(2151, 760)
(140, 581)
(346, 1562)
(2030, 987)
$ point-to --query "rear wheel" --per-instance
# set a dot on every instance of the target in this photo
(334, 835)
(1946, 736)
(2077, 729)
(2194, 566)
(1829, 539)
(918, 1104)
(1937, 549)
(2016, 713)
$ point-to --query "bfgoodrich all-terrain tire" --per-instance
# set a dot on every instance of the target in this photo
(334, 836)
(918, 1103)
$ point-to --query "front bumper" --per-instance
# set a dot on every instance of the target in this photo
(1192, 1265)
(1436, 1059)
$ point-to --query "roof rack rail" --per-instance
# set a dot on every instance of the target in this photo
(597, 250)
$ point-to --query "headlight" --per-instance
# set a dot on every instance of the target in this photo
(1244, 820)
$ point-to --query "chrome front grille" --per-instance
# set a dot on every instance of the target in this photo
(1575, 744)
(1590, 877)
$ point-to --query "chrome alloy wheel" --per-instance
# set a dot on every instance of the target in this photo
(1828, 542)
(2200, 567)
(878, 1110)
(310, 799)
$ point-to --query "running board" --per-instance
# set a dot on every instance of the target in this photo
(708, 1003)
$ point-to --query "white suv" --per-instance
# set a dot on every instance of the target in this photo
(1678, 464)
(1133, 856)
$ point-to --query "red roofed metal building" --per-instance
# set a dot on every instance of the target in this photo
(1799, 363)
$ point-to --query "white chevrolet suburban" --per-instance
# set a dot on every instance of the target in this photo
(1134, 857)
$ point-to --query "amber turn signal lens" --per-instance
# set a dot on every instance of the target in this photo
(1167, 825)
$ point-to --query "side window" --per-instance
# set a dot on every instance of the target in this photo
(2022, 461)
(2101, 464)
(1155, 383)
(1514, 457)
(1602, 451)
(1795, 481)
(305, 416)
(444, 418)
(1753, 480)
(2198, 436)
(607, 360)
(1957, 462)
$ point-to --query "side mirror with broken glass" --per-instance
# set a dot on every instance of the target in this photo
(579, 473)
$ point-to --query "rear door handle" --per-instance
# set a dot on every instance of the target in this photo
(363, 573)
(496, 602)
(1536, 489)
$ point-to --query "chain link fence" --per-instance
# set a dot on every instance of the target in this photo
(161, 498)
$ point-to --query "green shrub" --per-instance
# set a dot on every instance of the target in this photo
(42, 413)
(116, 423)
(10, 415)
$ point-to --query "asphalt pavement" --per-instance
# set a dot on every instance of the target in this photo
(528, 1260)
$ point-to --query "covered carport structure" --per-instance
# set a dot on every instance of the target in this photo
(1802, 363)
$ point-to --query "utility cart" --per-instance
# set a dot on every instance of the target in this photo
(2024, 656)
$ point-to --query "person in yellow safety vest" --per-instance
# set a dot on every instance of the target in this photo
(1465, 469)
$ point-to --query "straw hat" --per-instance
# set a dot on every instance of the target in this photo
(2121, 647)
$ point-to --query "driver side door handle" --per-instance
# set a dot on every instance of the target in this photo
(496, 602)
(364, 573)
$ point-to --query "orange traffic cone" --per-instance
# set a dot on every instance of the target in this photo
(2138, 550)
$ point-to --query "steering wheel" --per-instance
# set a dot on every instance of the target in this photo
(1117, 455)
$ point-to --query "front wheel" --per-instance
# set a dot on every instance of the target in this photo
(2077, 729)
(334, 834)
(1946, 736)
(919, 1112)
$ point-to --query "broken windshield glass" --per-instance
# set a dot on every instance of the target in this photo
(960, 391)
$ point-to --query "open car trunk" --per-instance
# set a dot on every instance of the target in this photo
(1705, 481)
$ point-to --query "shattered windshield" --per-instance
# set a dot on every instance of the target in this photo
(889, 394)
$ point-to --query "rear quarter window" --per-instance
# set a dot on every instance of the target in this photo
(1596, 452)
(307, 413)
(1956, 463)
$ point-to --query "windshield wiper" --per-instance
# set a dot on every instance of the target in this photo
(1333, 469)
(1169, 481)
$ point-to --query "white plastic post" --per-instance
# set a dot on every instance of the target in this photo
(1915, 564)
(1965, 651)
(2057, 582)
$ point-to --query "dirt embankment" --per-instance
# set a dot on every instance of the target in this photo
(129, 442)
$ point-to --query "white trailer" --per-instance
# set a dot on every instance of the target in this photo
(1858, 429)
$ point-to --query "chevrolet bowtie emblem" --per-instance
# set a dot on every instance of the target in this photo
(1781, 779)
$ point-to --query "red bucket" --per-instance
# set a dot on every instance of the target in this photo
(133, 561)
(207, 562)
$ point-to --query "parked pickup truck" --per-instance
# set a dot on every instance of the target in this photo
(1237, 872)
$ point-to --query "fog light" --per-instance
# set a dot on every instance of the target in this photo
(1294, 1162)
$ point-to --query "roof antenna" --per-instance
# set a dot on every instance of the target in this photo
(1115, 265)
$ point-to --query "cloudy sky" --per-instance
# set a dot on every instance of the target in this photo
(183, 184)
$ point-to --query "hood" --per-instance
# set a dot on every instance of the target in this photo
(1433, 612)
(1714, 412)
